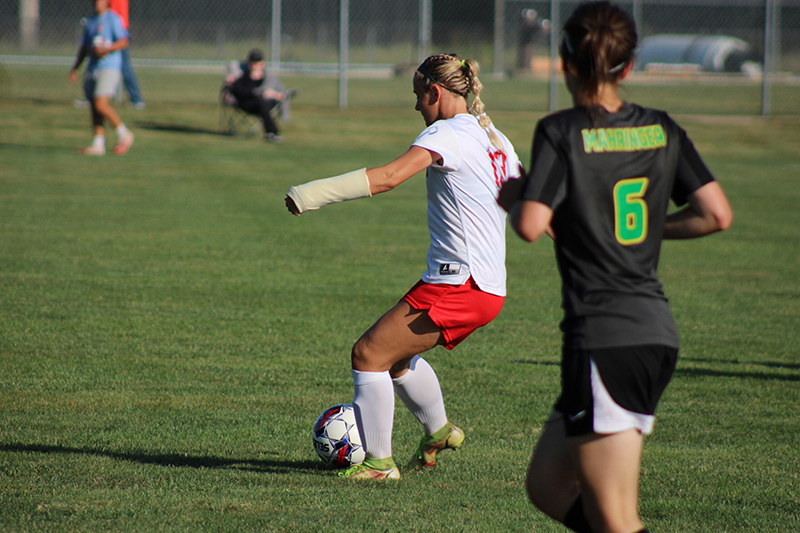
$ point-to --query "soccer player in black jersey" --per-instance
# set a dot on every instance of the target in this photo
(601, 177)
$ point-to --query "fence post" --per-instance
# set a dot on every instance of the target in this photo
(555, 33)
(499, 30)
(770, 16)
(275, 45)
(29, 25)
(425, 23)
(344, 49)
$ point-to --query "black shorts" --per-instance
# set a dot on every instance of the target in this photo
(610, 390)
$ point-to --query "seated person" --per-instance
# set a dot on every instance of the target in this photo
(255, 96)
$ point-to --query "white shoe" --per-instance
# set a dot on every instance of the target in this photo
(93, 150)
(124, 144)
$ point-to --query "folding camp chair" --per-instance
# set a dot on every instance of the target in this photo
(232, 118)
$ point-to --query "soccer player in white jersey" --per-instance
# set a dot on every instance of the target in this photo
(463, 288)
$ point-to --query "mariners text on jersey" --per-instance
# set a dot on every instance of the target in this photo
(600, 140)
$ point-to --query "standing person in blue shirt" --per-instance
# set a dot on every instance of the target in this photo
(104, 36)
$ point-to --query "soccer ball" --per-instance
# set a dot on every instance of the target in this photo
(336, 437)
(100, 42)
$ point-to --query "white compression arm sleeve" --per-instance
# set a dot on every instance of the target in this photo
(315, 194)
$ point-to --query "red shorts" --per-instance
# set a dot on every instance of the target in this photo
(458, 310)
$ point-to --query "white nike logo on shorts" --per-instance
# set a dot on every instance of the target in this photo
(577, 416)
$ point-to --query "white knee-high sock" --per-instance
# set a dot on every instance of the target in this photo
(374, 404)
(420, 391)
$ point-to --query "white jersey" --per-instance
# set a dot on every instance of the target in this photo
(467, 227)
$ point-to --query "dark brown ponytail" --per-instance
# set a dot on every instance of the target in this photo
(599, 42)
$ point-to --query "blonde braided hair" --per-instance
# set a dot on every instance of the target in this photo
(459, 76)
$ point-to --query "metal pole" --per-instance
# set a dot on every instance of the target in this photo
(499, 30)
(29, 25)
(555, 33)
(425, 24)
(275, 47)
(769, 34)
(637, 17)
(777, 24)
(344, 48)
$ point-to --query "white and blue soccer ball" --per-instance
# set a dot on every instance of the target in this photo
(336, 437)
(100, 42)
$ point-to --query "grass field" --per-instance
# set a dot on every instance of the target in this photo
(169, 334)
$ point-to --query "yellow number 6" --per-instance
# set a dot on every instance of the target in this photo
(630, 211)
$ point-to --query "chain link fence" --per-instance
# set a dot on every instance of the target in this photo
(737, 39)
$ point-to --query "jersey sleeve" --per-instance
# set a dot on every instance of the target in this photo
(118, 30)
(691, 172)
(441, 139)
(547, 174)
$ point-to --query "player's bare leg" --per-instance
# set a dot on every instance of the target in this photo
(552, 480)
(395, 339)
(102, 107)
(602, 469)
(384, 351)
(609, 468)
(98, 146)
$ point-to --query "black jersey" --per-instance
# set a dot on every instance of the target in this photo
(609, 180)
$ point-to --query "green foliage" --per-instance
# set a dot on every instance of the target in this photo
(169, 333)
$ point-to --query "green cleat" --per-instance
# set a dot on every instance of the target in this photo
(448, 438)
(375, 469)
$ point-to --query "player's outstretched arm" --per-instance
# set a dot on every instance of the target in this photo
(708, 212)
(360, 183)
(315, 194)
(387, 177)
(531, 219)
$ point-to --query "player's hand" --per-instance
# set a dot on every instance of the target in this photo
(270, 94)
(510, 192)
(100, 51)
(73, 75)
(291, 206)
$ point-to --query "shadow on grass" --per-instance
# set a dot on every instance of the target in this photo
(40, 101)
(176, 460)
(697, 372)
(179, 128)
(768, 364)
(767, 376)
(534, 362)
